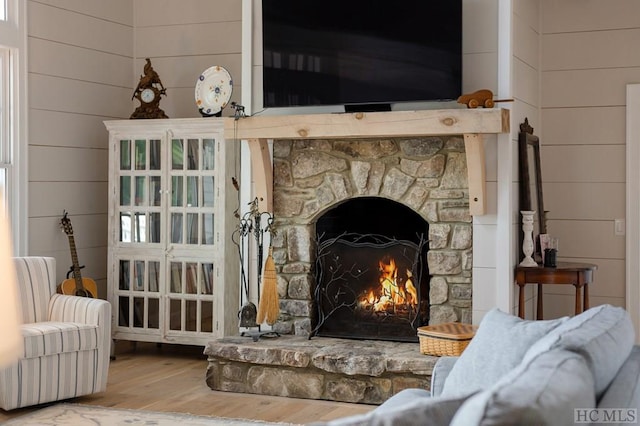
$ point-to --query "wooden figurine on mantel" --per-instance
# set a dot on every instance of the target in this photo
(483, 97)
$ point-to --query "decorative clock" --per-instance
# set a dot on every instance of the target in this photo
(148, 92)
(213, 91)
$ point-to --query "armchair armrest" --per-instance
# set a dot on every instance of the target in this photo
(86, 310)
(440, 373)
(83, 310)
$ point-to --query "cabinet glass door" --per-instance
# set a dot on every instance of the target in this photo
(192, 177)
(138, 303)
(140, 191)
(191, 285)
(192, 188)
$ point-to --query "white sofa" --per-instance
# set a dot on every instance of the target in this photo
(583, 369)
(66, 341)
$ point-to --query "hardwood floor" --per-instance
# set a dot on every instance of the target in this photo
(172, 378)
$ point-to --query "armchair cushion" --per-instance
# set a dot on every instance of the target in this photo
(49, 338)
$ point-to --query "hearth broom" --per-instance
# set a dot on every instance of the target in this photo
(269, 306)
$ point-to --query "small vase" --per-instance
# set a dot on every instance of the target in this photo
(527, 243)
(550, 257)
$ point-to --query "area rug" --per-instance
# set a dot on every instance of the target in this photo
(79, 415)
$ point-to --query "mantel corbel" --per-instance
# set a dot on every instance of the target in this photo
(471, 123)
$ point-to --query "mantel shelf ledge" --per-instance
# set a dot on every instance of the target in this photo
(472, 123)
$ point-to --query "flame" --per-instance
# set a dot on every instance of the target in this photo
(391, 293)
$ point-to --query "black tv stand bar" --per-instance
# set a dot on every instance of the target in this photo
(367, 107)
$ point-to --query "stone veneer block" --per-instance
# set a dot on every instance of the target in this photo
(361, 371)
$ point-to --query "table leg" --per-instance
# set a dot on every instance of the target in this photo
(540, 314)
(521, 300)
(578, 309)
(584, 282)
(586, 297)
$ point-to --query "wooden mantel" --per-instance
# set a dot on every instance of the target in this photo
(472, 123)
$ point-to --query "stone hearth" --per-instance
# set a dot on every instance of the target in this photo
(358, 371)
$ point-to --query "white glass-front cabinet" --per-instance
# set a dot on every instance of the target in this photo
(173, 268)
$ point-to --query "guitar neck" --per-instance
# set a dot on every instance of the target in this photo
(74, 261)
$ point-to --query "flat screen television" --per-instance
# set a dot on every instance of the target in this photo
(362, 54)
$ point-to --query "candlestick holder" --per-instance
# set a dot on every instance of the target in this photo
(527, 244)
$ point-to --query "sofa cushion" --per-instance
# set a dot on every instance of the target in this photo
(49, 338)
(409, 407)
(543, 391)
(624, 390)
(603, 335)
(497, 347)
(440, 373)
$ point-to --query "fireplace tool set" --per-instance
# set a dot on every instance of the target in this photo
(252, 227)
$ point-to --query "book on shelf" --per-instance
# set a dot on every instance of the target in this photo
(176, 277)
(154, 272)
(207, 278)
(192, 278)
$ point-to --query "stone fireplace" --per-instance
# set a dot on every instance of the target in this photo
(426, 175)
(430, 163)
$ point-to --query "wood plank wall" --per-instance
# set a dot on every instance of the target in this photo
(526, 95)
(79, 74)
(184, 38)
(589, 54)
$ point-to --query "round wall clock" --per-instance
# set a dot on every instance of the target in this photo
(213, 91)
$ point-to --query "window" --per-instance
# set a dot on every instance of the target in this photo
(5, 155)
(13, 75)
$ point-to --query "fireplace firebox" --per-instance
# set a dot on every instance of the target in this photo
(372, 278)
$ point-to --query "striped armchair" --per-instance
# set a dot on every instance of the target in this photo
(66, 341)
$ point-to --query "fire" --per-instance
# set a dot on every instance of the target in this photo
(392, 291)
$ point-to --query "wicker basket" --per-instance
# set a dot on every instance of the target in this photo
(448, 339)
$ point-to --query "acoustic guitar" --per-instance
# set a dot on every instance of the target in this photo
(76, 286)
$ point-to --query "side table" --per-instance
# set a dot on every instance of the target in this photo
(577, 274)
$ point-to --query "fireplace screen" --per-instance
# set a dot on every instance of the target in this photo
(371, 287)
